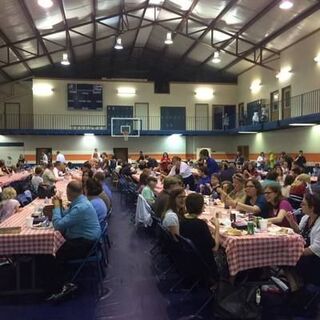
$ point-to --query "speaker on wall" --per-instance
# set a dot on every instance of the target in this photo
(161, 86)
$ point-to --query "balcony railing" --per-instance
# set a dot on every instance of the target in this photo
(298, 106)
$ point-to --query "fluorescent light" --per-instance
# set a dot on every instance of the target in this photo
(126, 91)
(302, 124)
(168, 38)
(45, 3)
(155, 2)
(42, 89)
(284, 74)
(286, 5)
(118, 45)
(65, 60)
(248, 132)
(255, 86)
(89, 134)
(216, 57)
(204, 93)
(317, 58)
(175, 135)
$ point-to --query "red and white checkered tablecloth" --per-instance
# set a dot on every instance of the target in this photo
(7, 179)
(31, 240)
(258, 250)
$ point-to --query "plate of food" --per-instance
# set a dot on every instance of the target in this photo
(234, 232)
(280, 231)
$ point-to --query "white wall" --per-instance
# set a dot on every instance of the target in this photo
(305, 73)
(181, 94)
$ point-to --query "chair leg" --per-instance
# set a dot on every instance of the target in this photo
(314, 297)
(190, 290)
(176, 284)
(204, 305)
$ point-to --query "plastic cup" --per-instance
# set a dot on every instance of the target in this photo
(29, 222)
(263, 225)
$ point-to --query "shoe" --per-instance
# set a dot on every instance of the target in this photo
(66, 291)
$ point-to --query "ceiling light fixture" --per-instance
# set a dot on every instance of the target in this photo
(317, 58)
(168, 38)
(65, 60)
(42, 89)
(216, 57)
(118, 45)
(184, 4)
(126, 91)
(204, 93)
(284, 74)
(45, 3)
(255, 86)
(286, 5)
(302, 124)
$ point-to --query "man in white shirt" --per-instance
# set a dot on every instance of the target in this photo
(44, 160)
(180, 168)
(60, 157)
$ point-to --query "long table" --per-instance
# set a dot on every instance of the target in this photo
(10, 178)
(255, 251)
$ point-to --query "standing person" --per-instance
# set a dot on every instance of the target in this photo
(261, 161)
(57, 171)
(239, 159)
(48, 175)
(209, 162)
(60, 157)
(271, 160)
(182, 169)
(21, 161)
(95, 154)
(44, 160)
(300, 160)
(141, 156)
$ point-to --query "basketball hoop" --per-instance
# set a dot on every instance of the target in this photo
(125, 135)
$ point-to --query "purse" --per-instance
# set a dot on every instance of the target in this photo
(237, 301)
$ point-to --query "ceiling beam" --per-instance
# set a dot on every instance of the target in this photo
(210, 27)
(244, 28)
(297, 19)
(21, 59)
(36, 32)
(66, 27)
(94, 33)
(138, 30)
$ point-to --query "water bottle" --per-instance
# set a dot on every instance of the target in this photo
(258, 296)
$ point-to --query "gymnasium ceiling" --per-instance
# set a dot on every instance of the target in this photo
(245, 32)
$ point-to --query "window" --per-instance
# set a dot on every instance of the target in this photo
(274, 101)
(173, 118)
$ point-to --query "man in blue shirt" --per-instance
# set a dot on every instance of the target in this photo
(80, 227)
(208, 162)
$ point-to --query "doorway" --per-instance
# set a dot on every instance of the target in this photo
(274, 104)
(244, 150)
(286, 102)
(121, 153)
(47, 151)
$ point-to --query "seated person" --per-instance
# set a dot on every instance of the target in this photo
(255, 201)
(182, 169)
(48, 175)
(198, 232)
(37, 179)
(214, 185)
(249, 170)
(175, 211)
(238, 193)
(101, 178)
(127, 169)
(298, 189)
(3, 168)
(57, 171)
(148, 191)
(161, 202)
(308, 265)
(203, 182)
(227, 172)
(225, 189)
(285, 189)
(94, 189)
(279, 207)
(151, 162)
(143, 181)
(9, 205)
(271, 177)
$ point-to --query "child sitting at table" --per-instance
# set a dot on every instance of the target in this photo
(214, 185)
(9, 205)
(198, 232)
(203, 182)
(148, 191)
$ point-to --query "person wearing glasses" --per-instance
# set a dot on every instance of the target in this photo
(279, 207)
(255, 201)
(308, 265)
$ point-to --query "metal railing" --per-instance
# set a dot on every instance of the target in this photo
(301, 105)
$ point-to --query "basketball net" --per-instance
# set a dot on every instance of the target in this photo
(125, 135)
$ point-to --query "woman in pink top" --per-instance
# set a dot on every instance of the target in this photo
(279, 207)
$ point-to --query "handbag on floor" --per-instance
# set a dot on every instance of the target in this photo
(237, 301)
